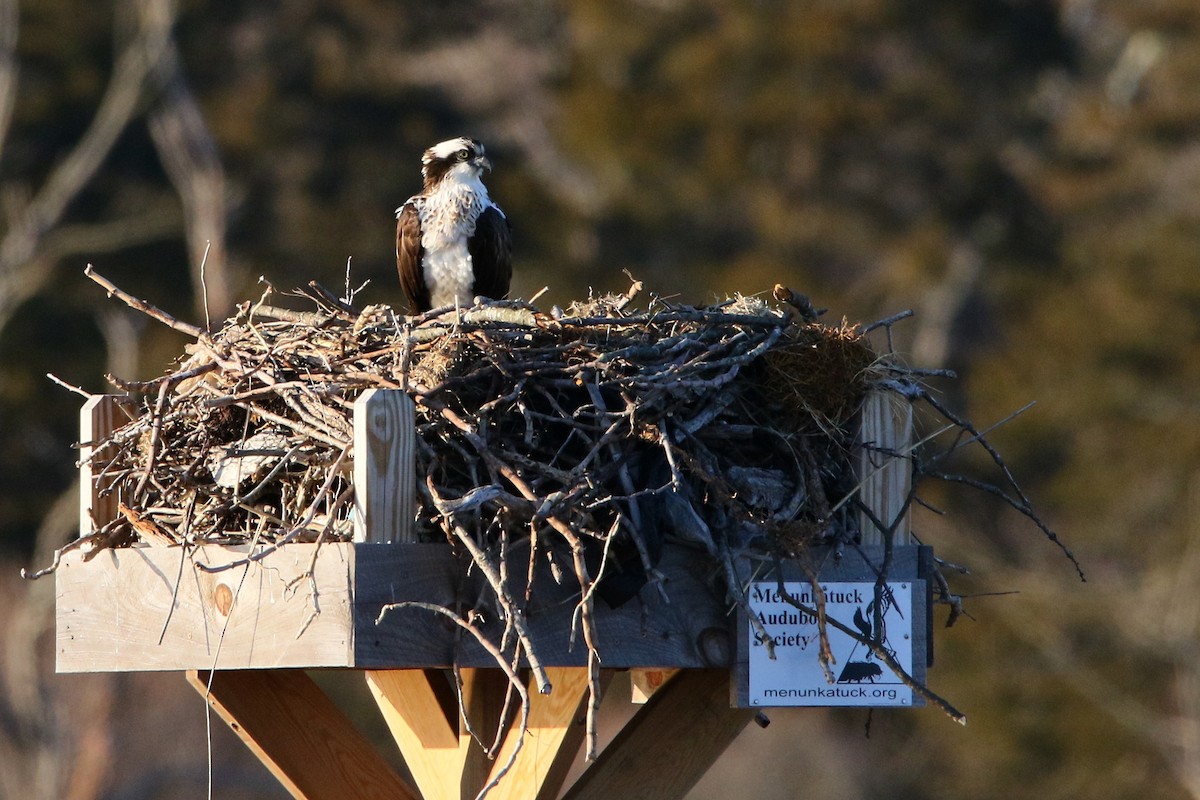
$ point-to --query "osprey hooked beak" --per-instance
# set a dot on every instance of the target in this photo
(483, 162)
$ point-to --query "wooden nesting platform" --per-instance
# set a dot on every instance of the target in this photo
(246, 629)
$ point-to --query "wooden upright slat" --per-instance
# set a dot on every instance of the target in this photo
(669, 744)
(302, 738)
(384, 485)
(885, 478)
(98, 418)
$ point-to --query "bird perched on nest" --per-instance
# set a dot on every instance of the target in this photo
(452, 241)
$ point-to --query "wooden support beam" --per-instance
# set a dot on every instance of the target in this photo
(555, 732)
(384, 483)
(445, 760)
(417, 719)
(484, 689)
(669, 744)
(306, 742)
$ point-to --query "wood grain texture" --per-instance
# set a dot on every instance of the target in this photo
(112, 610)
(98, 418)
(643, 683)
(555, 732)
(306, 742)
(384, 484)
(644, 632)
(885, 480)
(669, 744)
(427, 741)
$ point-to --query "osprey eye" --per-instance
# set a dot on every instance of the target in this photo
(463, 155)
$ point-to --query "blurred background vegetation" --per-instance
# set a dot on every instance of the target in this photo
(1024, 174)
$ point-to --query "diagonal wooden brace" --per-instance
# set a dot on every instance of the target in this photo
(297, 732)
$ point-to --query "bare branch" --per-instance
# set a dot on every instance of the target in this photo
(118, 106)
(189, 154)
(142, 305)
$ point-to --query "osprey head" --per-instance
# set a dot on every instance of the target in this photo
(461, 158)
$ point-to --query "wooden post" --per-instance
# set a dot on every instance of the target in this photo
(384, 483)
(98, 418)
(885, 469)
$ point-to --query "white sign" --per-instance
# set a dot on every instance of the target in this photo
(795, 676)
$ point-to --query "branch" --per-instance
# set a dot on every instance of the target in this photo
(189, 155)
(69, 176)
(141, 305)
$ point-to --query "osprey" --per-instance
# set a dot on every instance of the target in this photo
(452, 241)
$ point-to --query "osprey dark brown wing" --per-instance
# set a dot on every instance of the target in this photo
(409, 254)
(491, 254)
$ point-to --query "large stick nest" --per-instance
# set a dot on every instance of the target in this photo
(605, 419)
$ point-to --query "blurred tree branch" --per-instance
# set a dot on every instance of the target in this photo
(20, 275)
(44, 754)
(8, 65)
(943, 304)
(55, 737)
(189, 154)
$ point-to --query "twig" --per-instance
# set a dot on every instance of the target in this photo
(69, 386)
(142, 306)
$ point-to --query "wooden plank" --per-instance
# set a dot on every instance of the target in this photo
(150, 608)
(306, 742)
(645, 632)
(384, 484)
(112, 610)
(554, 733)
(428, 742)
(885, 480)
(669, 744)
(98, 418)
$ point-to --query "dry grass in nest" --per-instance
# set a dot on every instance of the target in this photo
(818, 375)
